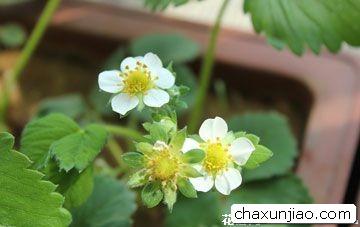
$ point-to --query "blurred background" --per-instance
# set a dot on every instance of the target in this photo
(305, 109)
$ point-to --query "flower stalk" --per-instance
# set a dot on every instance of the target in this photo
(206, 69)
(27, 52)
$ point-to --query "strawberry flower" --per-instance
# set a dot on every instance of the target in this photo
(140, 80)
(222, 154)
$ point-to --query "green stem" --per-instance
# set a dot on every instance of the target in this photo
(206, 70)
(125, 132)
(26, 53)
(116, 152)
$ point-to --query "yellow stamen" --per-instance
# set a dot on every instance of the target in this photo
(217, 157)
(137, 81)
(163, 165)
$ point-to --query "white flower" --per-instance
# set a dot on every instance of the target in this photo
(139, 80)
(222, 151)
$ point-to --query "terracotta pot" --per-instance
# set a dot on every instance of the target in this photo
(332, 82)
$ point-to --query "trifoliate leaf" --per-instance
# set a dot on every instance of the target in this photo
(151, 194)
(186, 188)
(26, 199)
(79, 149)
(169, 47)
(133, 159)
(307, 22)
(288, 189)
(193, 156)
(72, 105)
(39, 134)
(80, 190)
(12, 35)
(111, 204)
(203, 211)
(274, 133)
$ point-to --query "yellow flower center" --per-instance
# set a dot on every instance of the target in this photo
(137, 81)
(217, 157)
(163, 165)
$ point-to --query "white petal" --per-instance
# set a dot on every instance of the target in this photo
(139, 58)
(202, 184)
(164, 79)
(110, 81)
(211, 129)
(228, 181)
(220, 128)
(190, 144)
(130, 62)
(156, 98)
(122, 103)
(241, 149)
(152, 60)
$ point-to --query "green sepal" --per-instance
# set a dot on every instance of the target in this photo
(138, 179)
(186, 188)
(151, 194)
(190, 171)
(170, 196)
(253, 138)
(177, 141)
(193, 156)
(158, 132)
(260, 155)
(134, 159)
(144, 147)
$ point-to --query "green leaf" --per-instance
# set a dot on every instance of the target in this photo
(151, 194)
(26, 199)
(186, 188)
(80, 190)
(203, 211)
(79, 149)
(307, 22)
(193, 156)
(275, 134)
(178, 139)
(72, 105)
(260, 155)
(133, 159)
(12, 35)
(169, 47)
(39, 134)
(111, 204)
(288, 189)
(163, 4)
(169, 196)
